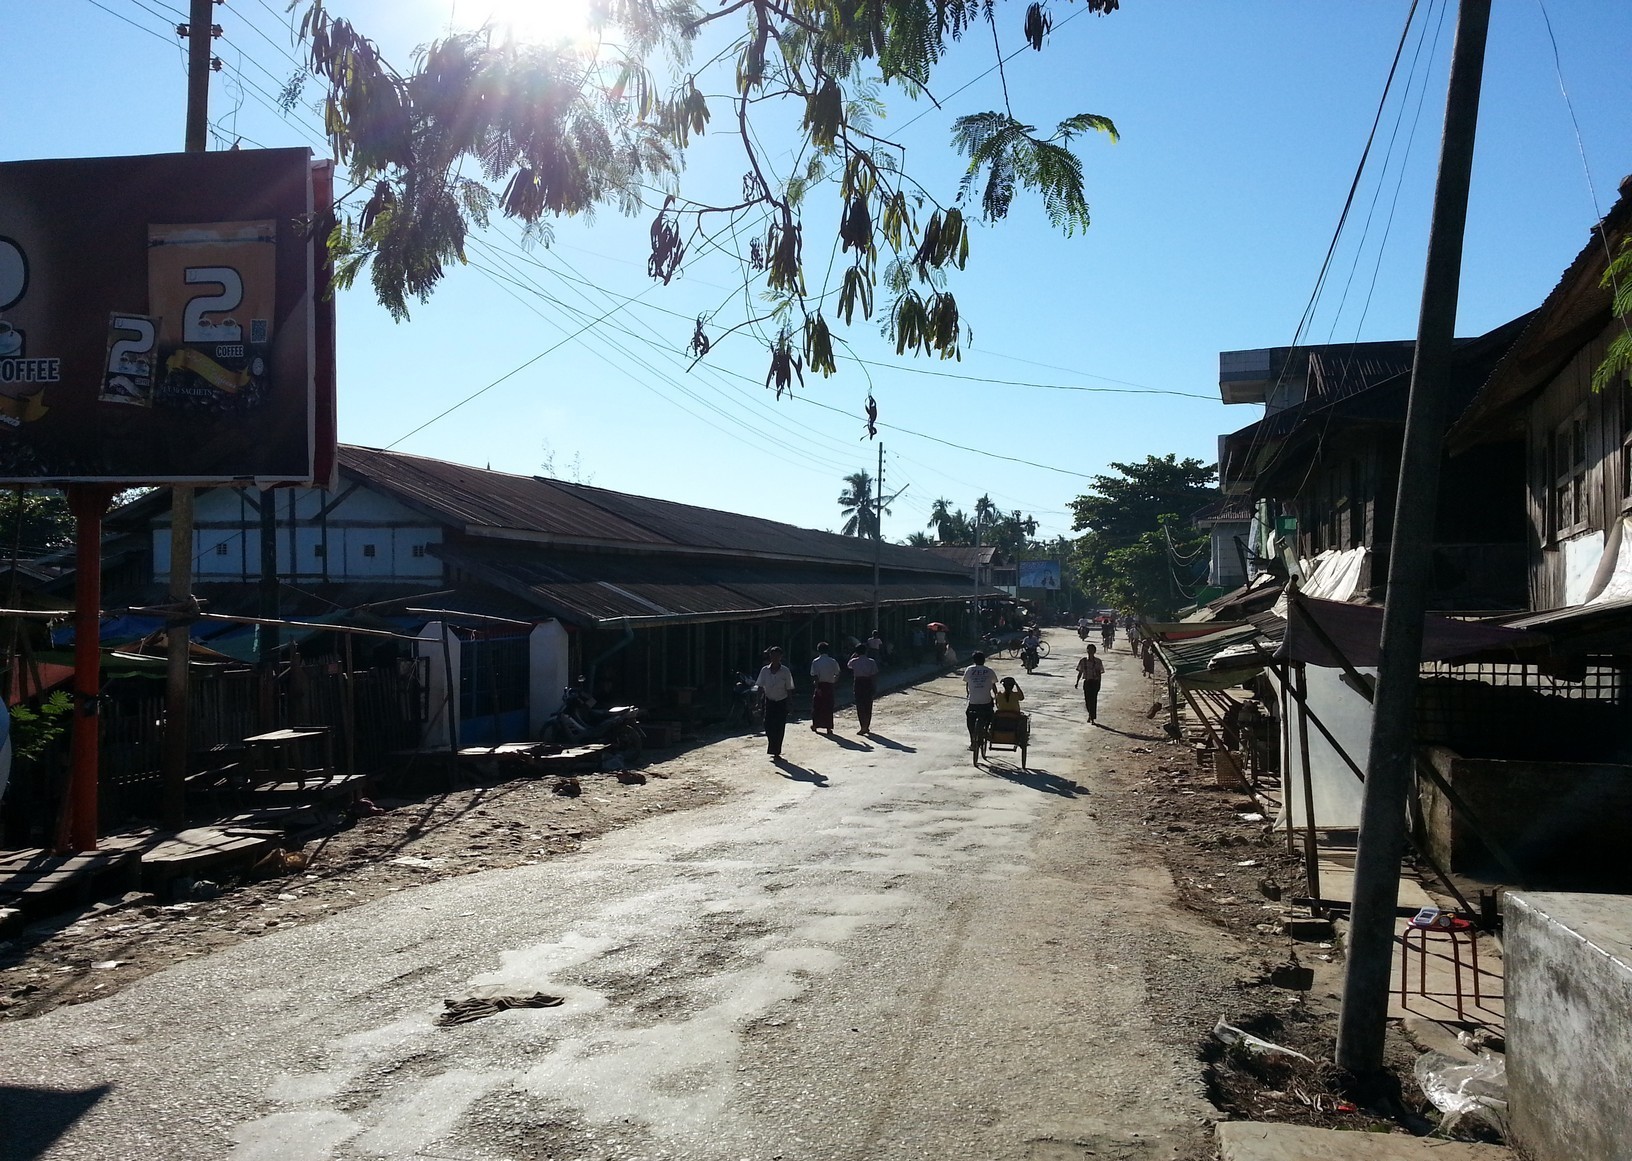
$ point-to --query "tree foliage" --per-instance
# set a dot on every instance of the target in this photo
(1010, 532)
(1139, 551)
(479, 125)
(35, 521)
(1617, 362)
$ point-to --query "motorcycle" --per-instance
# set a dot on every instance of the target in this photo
(747, 702)
(1028, 658)
(578, 721)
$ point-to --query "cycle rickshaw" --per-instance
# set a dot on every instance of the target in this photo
(1007, 730)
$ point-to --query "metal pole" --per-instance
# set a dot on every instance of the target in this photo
(1286, 754)
(178, 631)
(1364, 1016)
(87, 503)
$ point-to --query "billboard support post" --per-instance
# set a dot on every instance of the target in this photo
(87, 502)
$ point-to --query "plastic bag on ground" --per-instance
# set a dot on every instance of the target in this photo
(1465, 1090)
(1241, 1038)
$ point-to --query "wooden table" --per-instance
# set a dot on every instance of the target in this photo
(277, 756)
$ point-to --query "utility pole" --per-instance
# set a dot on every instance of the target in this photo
(178, 632)
(878, 529)
(1390, 759)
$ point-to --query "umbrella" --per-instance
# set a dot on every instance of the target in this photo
(935, 627)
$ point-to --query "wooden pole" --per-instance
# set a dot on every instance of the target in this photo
(1311, 858)
(1286, 754)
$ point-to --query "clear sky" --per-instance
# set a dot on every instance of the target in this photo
(1241, 122)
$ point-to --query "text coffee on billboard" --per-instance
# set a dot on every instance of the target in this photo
(166, 319)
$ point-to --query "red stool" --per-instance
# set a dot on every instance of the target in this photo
(1454, 933)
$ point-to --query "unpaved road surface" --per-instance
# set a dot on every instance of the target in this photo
(876, 951)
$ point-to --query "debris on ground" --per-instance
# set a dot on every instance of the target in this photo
(481, 1007)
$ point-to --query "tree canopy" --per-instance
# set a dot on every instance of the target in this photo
(480, 125)
(1011, 532)
(1139, 551)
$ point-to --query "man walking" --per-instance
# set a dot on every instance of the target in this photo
(864, 684)
(1090, 671)
(824, 673)
(775, 681)
(978, 683)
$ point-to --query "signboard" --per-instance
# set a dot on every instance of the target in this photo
(165, 319)
(1039, 574)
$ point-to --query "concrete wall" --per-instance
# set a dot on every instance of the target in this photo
(1568, 960)
(1563, 823)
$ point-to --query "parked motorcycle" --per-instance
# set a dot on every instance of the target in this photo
(747, 702)
(579, 721)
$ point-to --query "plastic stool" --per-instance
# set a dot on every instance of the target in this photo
(1454, 933)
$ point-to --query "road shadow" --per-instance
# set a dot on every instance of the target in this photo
(891, 744)
(846, 743)
(37, 1117)
(1034, 779)
(794, 772)
(1130, 733)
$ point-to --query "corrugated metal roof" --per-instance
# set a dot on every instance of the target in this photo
(481, 501)
(592, 587)
(966, 555)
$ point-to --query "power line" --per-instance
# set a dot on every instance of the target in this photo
(129, 21)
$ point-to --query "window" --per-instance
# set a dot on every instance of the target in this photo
(419, 550)
(368, 550)
(1569, 471)
(221, 549)
(320, 550)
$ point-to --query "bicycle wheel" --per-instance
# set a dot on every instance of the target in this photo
(979, 751)
(1042, 649)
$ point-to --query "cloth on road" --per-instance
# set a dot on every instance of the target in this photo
(481, 1007)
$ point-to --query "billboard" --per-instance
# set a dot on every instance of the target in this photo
(1039, 574)
(165, 319)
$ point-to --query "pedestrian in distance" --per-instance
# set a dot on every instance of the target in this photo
(775, 681)
(824, 673)
(1090, 672)
(864, 685)
(979, 682)
(875, 646)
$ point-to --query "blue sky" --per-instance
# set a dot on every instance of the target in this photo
(1241, 127)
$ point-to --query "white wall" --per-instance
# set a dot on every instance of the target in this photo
(547, 673)
(361, 520)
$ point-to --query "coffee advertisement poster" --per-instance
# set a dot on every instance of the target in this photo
(165, 319)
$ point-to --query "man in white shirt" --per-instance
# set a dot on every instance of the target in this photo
(775, 681)
(824, 673)
(979, 682)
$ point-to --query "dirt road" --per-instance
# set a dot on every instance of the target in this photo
(875, 951)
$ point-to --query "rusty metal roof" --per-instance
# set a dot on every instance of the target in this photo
(592, 587)
(487, 503)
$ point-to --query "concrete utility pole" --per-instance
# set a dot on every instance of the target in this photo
(1390, 760)
(878, 529)
(178, 633)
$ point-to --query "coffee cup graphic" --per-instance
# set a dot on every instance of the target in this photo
(11, 340)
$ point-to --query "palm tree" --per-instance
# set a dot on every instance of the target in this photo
(985, 512)
(857, 505)
(940, 519)
(919, 540)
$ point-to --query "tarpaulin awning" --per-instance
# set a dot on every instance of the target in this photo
(1357, 630)
(1188, 650)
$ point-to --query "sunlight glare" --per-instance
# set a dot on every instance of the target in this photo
(543, 21)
